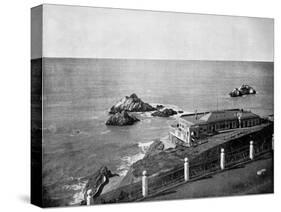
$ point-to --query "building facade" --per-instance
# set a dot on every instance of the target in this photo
(195, 126)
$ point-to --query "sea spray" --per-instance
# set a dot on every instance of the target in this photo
(145, 146)
(78, 189)
(127, 160)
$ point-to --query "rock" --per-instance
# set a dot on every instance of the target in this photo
(235, 93)
(164, 113)
(155, 148)
(243, 90)
(261, 172)
(131, 104)
(121, 119)
(159, 107)
(97, 182)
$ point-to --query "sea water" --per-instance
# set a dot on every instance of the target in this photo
(79, 92)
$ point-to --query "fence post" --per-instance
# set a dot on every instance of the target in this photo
(186, 169)
(144, 184)
(251, 152)
(89, 197)
(222, 161)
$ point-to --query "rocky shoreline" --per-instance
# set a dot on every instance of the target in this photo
(160, 157)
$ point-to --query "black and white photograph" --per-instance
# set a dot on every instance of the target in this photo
(138, 106)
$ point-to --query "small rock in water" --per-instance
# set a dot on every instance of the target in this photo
(261, 172)
(164, 113)
(159, 107)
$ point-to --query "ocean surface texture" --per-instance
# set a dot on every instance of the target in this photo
(79, 92)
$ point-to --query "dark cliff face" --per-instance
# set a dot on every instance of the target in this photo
(97, 182)
(131, 104)
(121, 119)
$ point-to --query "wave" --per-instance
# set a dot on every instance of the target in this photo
(144, 146)
(146, 114)
(127, 161)
(105, 132)
(79, 189)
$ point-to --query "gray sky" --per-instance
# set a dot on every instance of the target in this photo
(88, 32)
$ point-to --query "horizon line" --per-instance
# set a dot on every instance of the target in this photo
(110, 58)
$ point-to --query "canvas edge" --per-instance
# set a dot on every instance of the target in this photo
(36, 20)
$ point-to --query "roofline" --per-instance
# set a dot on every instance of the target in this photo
(203, 122)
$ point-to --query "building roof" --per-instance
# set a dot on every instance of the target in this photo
(216, 116)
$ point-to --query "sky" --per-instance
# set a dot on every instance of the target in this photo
(88, 32)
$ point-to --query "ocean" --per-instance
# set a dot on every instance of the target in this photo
(79, 92)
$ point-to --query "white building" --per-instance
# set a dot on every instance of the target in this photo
(192, 127)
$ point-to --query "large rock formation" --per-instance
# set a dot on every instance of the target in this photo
(243, 90)
(121, 119)
(164, 113)
(97, 182)
(131, 104)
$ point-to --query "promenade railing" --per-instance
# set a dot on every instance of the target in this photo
(196, 170)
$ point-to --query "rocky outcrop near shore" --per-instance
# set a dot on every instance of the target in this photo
(243, 90)
(121, 119)
(164, 113)
(131, 104)
(155, 148)
(97, 182)
(154, 162)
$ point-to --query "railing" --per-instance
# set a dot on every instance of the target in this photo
(190, 171)
(202, 168)
(122, 194)
(237, 156)
(164, 180)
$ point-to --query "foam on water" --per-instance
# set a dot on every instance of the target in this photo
(144, 146)
(105, 132)
(79, 189)
(127, 161)
(146, 114)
